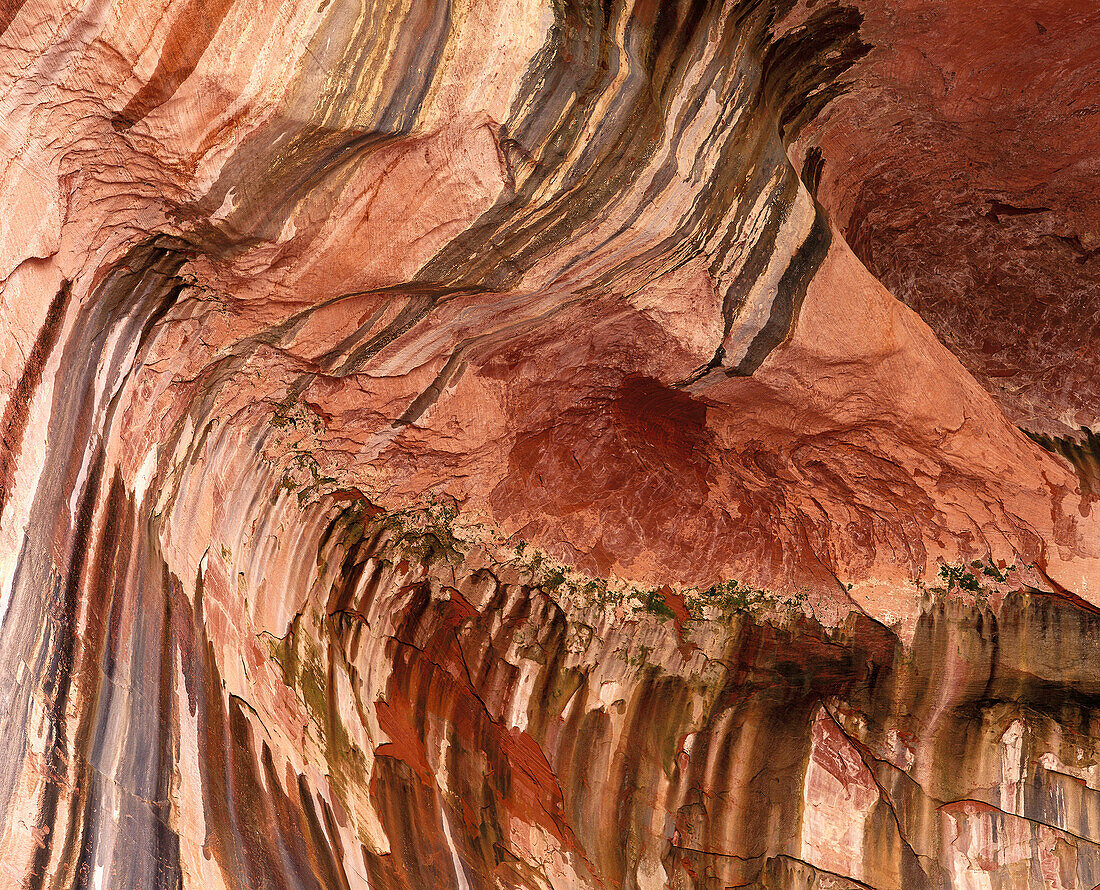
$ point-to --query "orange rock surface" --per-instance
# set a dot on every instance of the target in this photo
(529, 444)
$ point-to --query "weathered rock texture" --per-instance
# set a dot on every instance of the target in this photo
(391, 391)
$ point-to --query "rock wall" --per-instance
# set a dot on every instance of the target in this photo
(453, 443)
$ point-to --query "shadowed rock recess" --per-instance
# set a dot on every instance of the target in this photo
(604, 444)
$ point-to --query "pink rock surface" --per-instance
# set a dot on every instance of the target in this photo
(501, 443)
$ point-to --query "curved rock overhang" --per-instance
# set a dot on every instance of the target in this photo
(506, 443)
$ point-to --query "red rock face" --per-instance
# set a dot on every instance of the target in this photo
(975, 203)
(455, 445)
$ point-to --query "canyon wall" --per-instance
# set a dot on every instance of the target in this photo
(549, 444)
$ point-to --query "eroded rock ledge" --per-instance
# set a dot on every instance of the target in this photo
(454, 444)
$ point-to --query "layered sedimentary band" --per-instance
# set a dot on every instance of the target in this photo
(453, 444)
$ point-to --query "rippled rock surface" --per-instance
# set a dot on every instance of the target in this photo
(494, 444)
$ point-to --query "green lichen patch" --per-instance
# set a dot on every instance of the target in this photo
(291, 414)
(305, 671)
(977, 579)
(732, 597)
(722, 600)
(974, 576)
(653, 603)
(425, 533)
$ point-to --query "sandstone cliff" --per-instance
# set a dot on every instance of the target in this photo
(549, 444)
